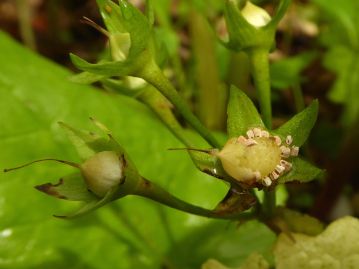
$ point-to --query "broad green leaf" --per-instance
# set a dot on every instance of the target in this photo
(242, 114)
(301, 171)
(336, 247)
(300, 125)
(129, 233)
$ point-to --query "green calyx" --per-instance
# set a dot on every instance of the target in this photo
(251, 27)
(256, 156)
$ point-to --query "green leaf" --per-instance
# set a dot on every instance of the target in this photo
(242, 114)
(131, 232)
(336, 247)
(71, 187)
(301, 171)
(300, 125)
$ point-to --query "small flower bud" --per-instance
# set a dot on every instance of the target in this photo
(103, 171)
(255, 15)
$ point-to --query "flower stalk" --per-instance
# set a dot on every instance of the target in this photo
(153, 75)
(149, 190)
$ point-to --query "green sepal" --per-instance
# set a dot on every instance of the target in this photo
(243, 35)
(86, 78)
(87, 144)
(242, 114)
(279, 14)
(92, 205)
(124, 17)
(107, 69)
(71, 187)
(301, 171)
(300, 125)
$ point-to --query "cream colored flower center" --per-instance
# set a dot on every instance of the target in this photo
(258, 157)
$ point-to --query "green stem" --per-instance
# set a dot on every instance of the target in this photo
(154, 192)
(153, 75)
(260, 71)
(163, 109)
(259, 59)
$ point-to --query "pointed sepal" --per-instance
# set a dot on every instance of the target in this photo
(302, 171)
(71, 187)
(92, 205)
(300, 125)
(242, 113)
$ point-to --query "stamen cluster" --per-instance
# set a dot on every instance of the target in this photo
(258, 157)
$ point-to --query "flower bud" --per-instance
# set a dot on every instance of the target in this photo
(103, 171)
(255, 15)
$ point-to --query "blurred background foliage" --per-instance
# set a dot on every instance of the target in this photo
(316, 57)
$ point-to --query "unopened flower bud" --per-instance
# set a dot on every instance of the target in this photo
(103, 171)
(255, 15)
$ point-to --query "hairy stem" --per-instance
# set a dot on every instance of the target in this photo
(153, 75)
(163, 109)
(154, 192)
(260, 71)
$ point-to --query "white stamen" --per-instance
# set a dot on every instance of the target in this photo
(285, 151)
(241, 139)
(250, 134)
(257, 132)
(277, 139)
(280, 169)
(265, 134)
(289, 140)
(274, 175)
(267, 181)
(286, 164)
(294, 151)
(250, 142)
